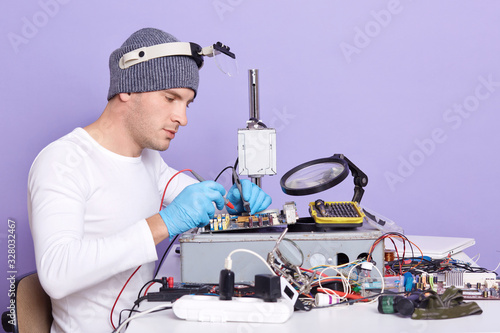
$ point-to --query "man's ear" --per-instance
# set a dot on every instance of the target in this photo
(124, 97)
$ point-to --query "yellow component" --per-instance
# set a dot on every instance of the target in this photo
(216, 224)
(340, 221)
(275, 219)
(242, 218)
(226, 222)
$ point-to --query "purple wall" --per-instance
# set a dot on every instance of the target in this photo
(408, 90)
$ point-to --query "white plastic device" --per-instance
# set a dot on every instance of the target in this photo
(239, 309)
(257, 152)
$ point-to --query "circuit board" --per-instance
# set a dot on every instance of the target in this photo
(478, 292)
(270, 218)
(226, 222)
(474, 286)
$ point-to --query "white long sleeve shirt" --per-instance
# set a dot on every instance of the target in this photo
(87, 208)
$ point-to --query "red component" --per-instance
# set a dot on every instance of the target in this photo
(170, 281)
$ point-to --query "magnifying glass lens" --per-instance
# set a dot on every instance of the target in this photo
(226, 64)
(314, 175)
(291, 252)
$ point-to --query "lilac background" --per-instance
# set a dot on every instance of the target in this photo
(370, 79)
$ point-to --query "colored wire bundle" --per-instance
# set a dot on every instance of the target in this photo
(395, 235)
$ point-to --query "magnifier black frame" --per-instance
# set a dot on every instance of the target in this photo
(196, 52)
(360, 178)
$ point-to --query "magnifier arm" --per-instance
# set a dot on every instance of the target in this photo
(360, 180)
(358, 194)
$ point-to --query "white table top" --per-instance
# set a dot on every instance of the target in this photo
(344, 318)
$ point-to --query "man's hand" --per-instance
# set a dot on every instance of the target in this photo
(256, 197)
(193, 207)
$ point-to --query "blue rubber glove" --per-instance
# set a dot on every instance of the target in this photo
(256, 197)
(193, 207)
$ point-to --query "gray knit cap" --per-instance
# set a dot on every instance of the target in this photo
(152, 75)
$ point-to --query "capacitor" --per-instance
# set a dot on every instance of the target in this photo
(326, 299)
(389, 255)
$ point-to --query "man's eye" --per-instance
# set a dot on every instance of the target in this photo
(170, 99)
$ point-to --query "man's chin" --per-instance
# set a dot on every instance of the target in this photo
(160, 146)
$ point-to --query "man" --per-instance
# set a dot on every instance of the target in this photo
(94, 194)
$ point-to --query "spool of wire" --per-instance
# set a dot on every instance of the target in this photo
(326, 299)
(389, 255)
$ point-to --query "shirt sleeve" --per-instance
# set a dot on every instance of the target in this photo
(68, 262)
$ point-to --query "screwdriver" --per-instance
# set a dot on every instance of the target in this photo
(200, 179)
(246, 204)
(320, 207)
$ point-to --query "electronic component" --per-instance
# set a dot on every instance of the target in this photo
(226, 222)
(321, 299)
(343, 214)
(475, 286)
(461, 279)
(269, 218)
(290, 214)
(404, 305)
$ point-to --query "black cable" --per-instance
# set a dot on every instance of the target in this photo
(130, 313)
(139, 297)
(425, 265)
(144, 286)
(137, 311)
(164, 255)
(220, 173)
(470, 268)
(235, 173)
